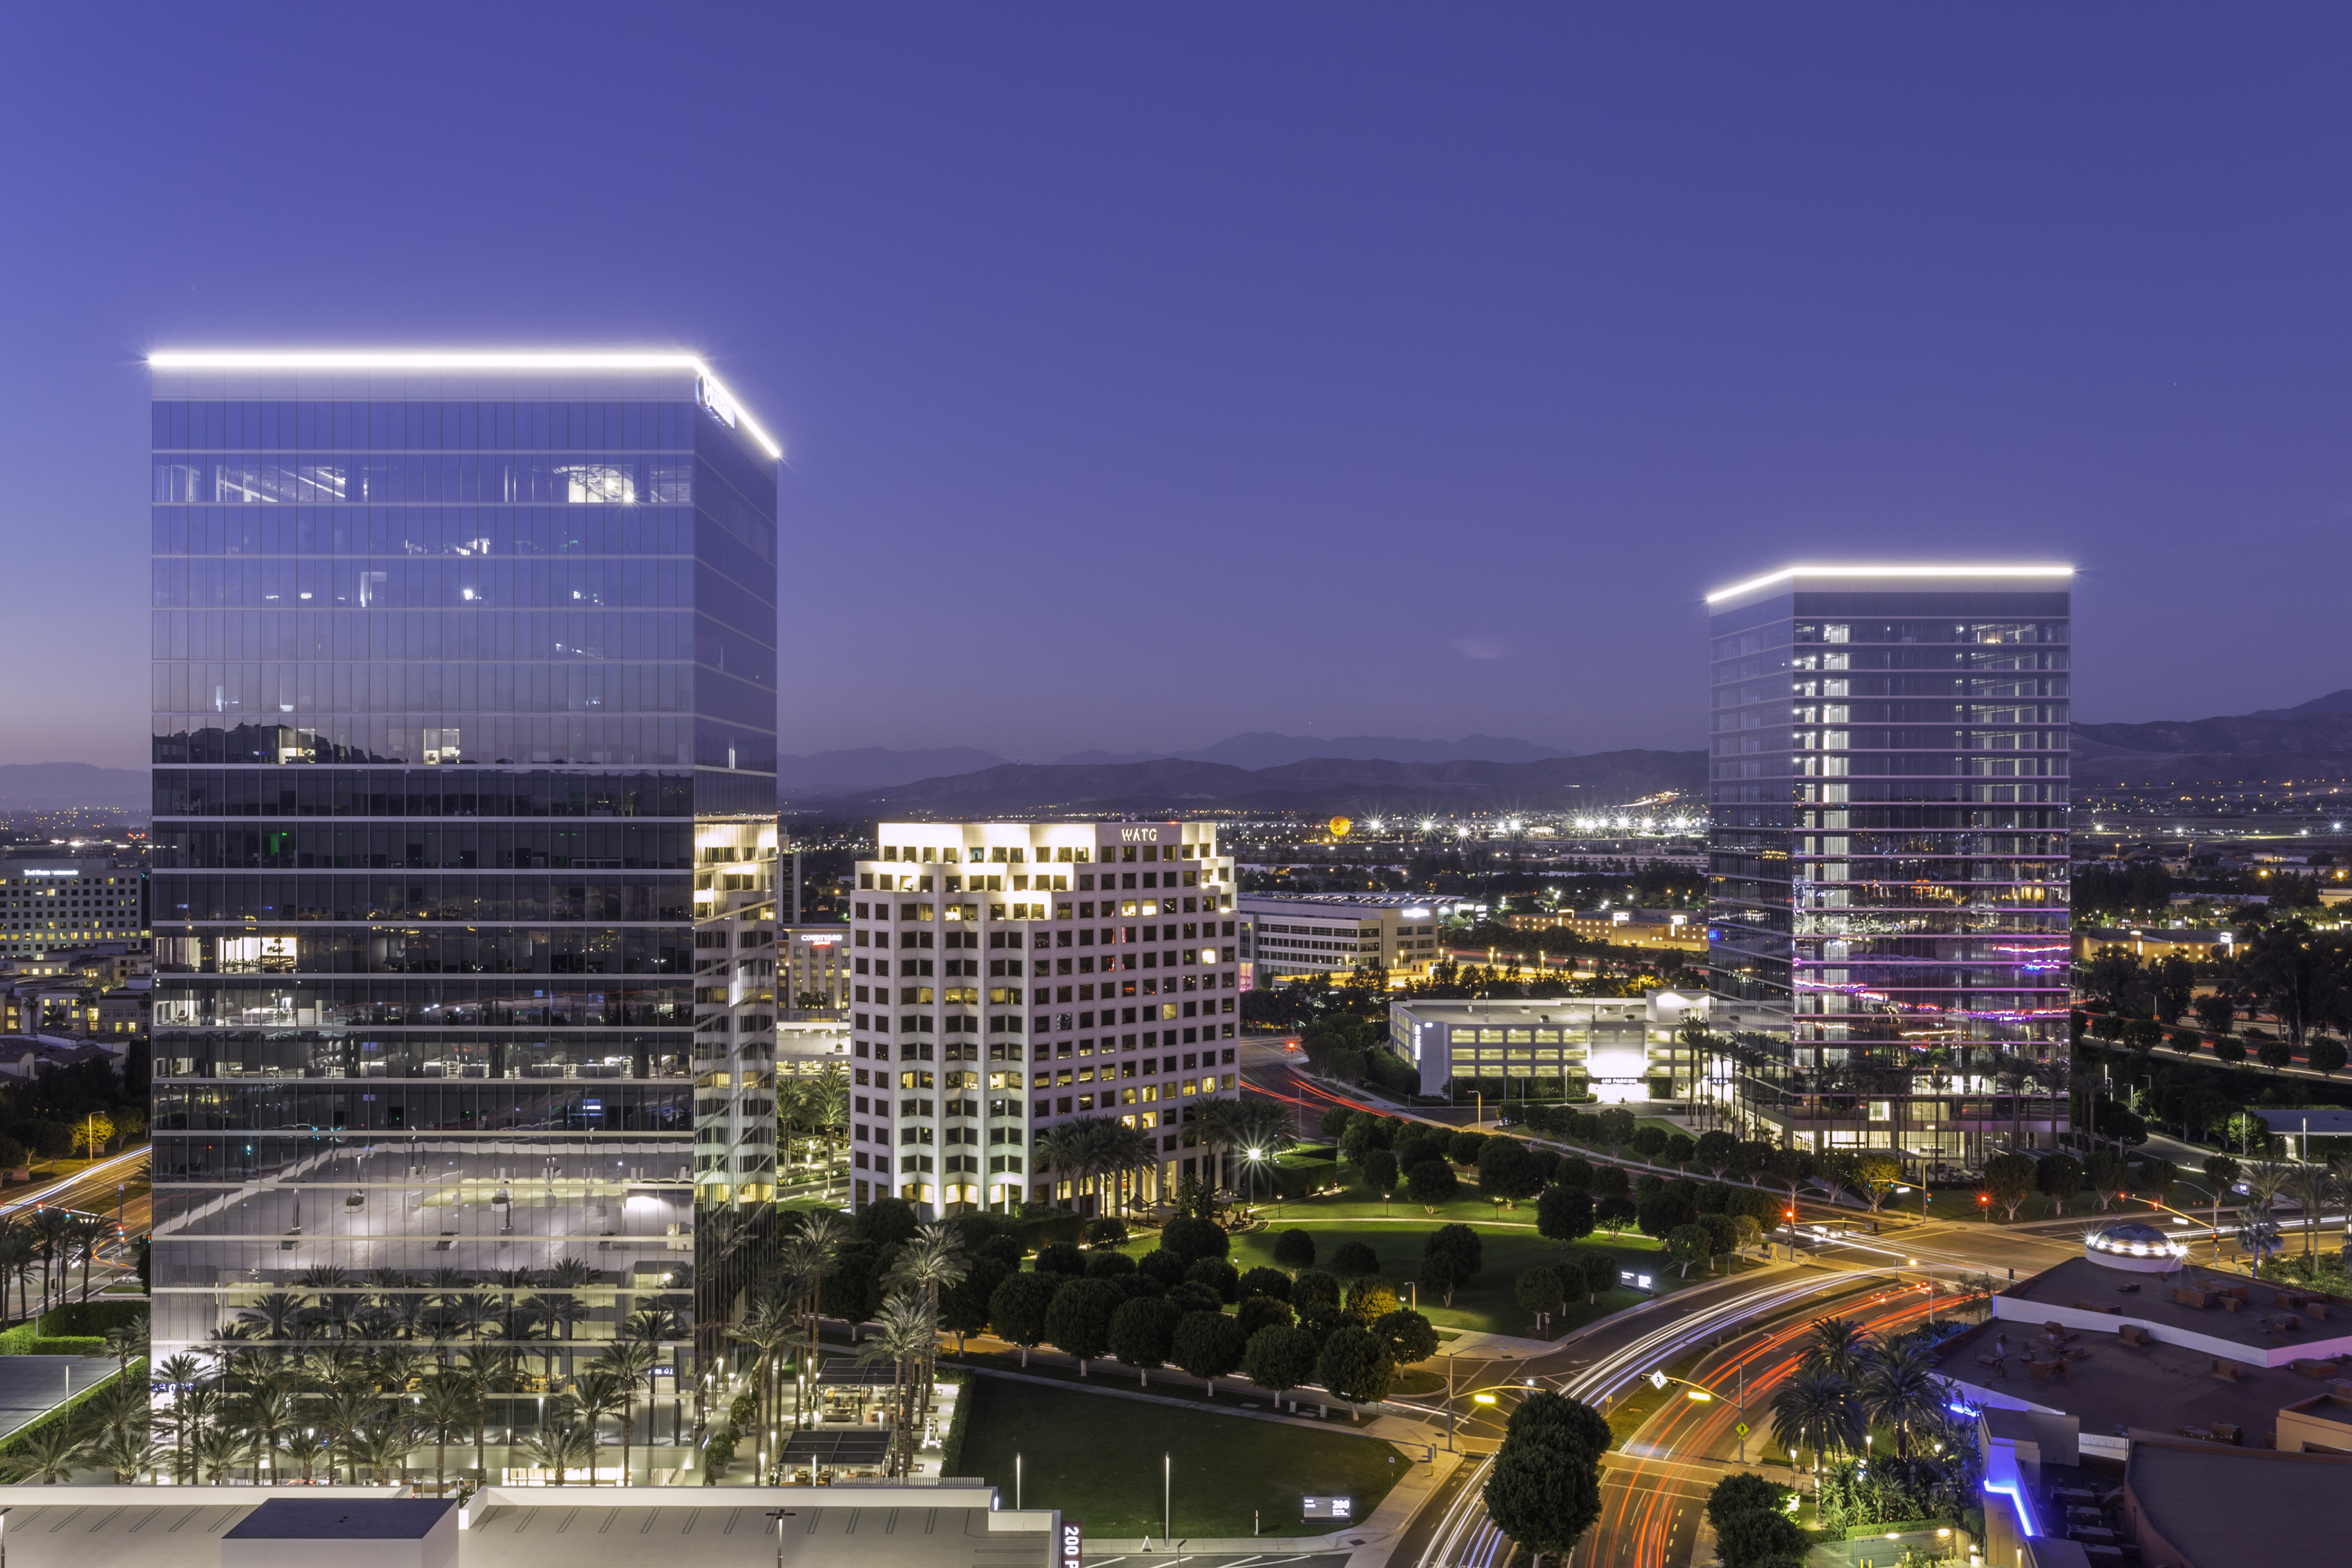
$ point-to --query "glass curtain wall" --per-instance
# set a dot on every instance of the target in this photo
(1888, 876)
(450, 673)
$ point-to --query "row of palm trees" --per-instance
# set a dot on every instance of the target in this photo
(781, 1316)
(1099, 1152)
(1848, 1381)
(289, 1408)
(444, 1308)
(50, 1242)
(813, 1107)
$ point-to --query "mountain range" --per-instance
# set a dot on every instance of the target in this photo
(1317, 784)
(49, 786)
(2310, 741)
(826, 774)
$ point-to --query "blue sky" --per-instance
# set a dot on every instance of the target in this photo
(1152, 373)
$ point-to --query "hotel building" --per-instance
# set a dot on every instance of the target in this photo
(1009, 978)
(465, 693)
(1888, 857)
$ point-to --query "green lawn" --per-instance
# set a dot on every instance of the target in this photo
(1098, 1458)
(1487, 1303)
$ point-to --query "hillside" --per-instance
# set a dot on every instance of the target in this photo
(1317, 785)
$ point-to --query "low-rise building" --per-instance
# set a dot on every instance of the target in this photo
(1623, 928)
(1617, 1049)
(2198, 1388)
(1290, 937)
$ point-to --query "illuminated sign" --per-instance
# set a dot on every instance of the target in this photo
(1790, 572)
(1138, 835)
(1074, 1545)
(1328, 1508)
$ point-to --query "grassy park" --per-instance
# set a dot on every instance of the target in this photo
(1097, 1457)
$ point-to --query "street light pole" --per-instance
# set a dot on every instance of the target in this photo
(779, 1515)
(1167, 1498)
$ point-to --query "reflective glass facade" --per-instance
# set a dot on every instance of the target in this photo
(465, 691)
(1888, 878)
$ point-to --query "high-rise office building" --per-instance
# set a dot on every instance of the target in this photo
(1011, 977)
(1888, 879)
(465, 695)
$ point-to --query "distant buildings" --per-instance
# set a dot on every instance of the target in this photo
(1888, 854)
(1008, 977)
(48, 903)
(813, 970)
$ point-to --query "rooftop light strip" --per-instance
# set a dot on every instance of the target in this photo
(1788, 571)
(451, 359)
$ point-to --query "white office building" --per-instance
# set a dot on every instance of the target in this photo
(1010, 976)
(1290, 937)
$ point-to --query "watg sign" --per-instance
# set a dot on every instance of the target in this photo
(1138, 835)
(1074, 1545)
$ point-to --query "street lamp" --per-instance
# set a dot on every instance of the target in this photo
(779, 1515)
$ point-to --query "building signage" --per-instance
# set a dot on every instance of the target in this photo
(1074, 1545)
(1329, 1508)
(1138, 835)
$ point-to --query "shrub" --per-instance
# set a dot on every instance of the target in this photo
(1110, 1231)
(1354, 1257)
(1194, 1239)
(1108, 1265)
(1314, 1289)
(1061, 1257)
(1218, 1275)
(1463, 1147)
(1257, 1313)
(1164, 1265)
(1295, 1250)
(1370, 1298)
(1430, 1183)
(1264, 1281)
(1280, 1358)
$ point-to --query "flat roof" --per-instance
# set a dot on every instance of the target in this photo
(2218, 1505)
(1998, 570)
(557, 360)
(2118, 1387)
(2296, 1123)
(351, 1518)
(2259, 1326)
(571, 1527)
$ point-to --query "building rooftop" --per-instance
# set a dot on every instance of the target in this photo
(2112, 1387)
(2238, 1508)
(344, 1518)
(2260, 1325)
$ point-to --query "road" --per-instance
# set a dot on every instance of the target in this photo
(99, 1189)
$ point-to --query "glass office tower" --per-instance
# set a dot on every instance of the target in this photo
(1889, 859)
(465, 695)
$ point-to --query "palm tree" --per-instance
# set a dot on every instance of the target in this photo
(2314, 1188)
(17, 1256)
(182, 1373)
(51, 1450)
(1900, 1389)
(268, 1412)
(86, 1234)
(934, 1260)
(767, 1327)
(220, 1451)
(348, 1410)
(1840, 1346)
(303, 1448)
(631, 1363)
(563, 1308)
(596, 1394)
(1127, 1151)
(447, 1403)
(51, 1227)
(558, 1446)
(802, 1259)
(118, 1406)
(489, 1369)
(126, 1340)
(1816, 1410)
(126, 1453)
(384, 1446)
(826, 1108)
(397, 1366)
(909, 1332)
(1065, 1148)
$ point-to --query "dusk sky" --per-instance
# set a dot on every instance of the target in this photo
(1147, 374)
